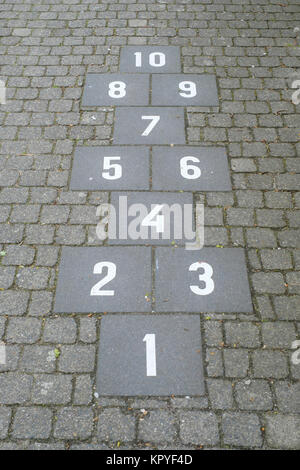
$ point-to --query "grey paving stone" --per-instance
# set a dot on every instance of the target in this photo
(13, 302)
(243, 334)
(269, 364)
(74, 423)
(140, 367)
(139, 126)
(278, 334)
(23, 330)
(168, 60)
(114, 425)
(288, 397)
(32, 423)
(184, 90)
(97, 168)
(5, 415)
(60, 330)
(282, 431)
(77, 358)
(52, 389)
(241, 429)
(74, 295)
(83, 390)
(157, 427)
(236, 362)
(190, 168)
(220, 393)
(253, 395)
(116, 90)
(15, 388)
(199, 428)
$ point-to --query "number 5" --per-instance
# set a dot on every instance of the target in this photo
(116, 167)
(154, 120)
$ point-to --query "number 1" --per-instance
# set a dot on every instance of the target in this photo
(150, 355)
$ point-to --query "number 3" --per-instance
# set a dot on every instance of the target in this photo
(206, 277)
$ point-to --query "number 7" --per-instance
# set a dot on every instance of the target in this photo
(154, 120)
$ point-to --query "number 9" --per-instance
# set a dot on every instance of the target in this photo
(188, 89)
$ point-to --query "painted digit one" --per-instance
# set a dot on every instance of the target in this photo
(2, 92)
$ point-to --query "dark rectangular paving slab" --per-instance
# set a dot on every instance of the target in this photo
(207, 280)
(174, 203)
(150, 355)
(104, 279)
(149, 126)
(184, 90)
(116, 90)
(190, 169)
(150, 59)
(110, 168)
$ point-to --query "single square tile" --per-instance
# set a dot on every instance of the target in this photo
(190, 169)
(149, 126)
(104, 279)
(150, 355)
(110, 168)
(150, 59)
(207, 280)
(169, 225)
(184, 90)
(116, 90)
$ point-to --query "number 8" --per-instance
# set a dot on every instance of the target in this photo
(117, 89)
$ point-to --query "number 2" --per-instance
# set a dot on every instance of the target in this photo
(111, 274)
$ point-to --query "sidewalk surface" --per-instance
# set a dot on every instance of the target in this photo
(48, 398)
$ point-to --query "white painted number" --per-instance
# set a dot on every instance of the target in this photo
(149, 221)
(111, 274)
(206, 277)
(154, 120)
(116, 167)
(117, 89)
(188, 89)
(156, 59)
(188, 171)
(150, 355)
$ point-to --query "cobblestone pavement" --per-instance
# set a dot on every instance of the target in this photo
(47, 392)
